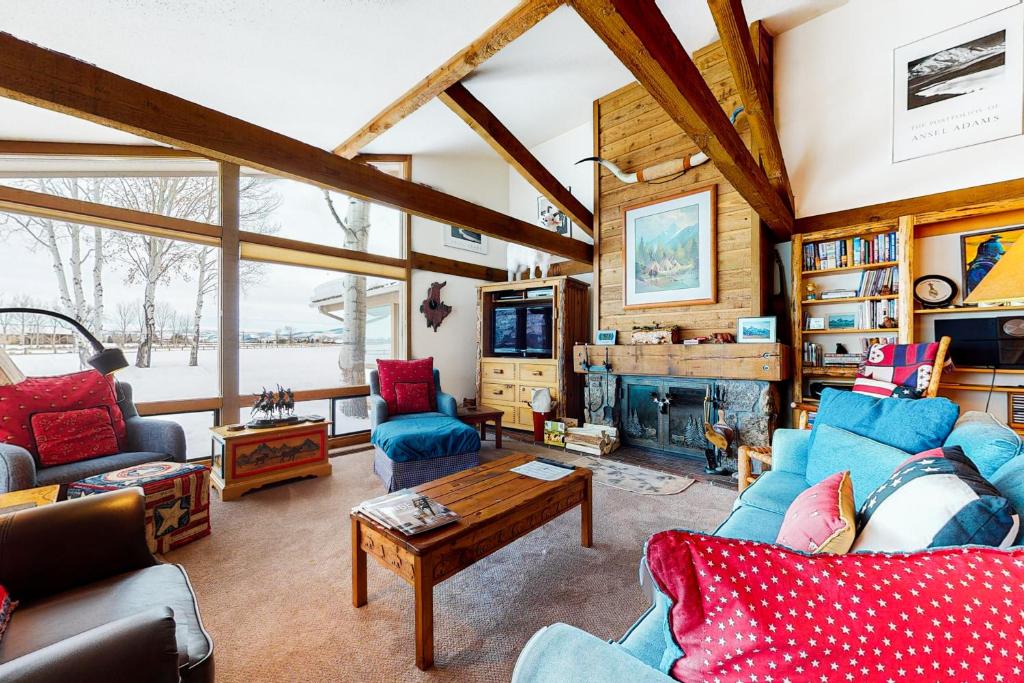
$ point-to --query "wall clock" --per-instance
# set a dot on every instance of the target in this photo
(935, 291)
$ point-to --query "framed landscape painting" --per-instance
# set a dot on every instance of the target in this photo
(668, 251)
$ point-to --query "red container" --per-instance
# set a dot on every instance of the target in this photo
(538, 424)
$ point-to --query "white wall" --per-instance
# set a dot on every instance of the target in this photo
(483, 181)
(833, 93)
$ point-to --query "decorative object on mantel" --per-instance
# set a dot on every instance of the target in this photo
(606, 337)
(760, 330)
(663, 171)
(935, 291)
(669, 250)
(656, 334)
(766, 362)
(980, 252)
(432, 308)
(959, 87)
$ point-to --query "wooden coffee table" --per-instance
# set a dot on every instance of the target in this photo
(481, 416)
(497, 507)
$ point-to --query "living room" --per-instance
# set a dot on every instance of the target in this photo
(591, 340)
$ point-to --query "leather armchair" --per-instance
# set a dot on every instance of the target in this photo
(149, 440)
(94, 604)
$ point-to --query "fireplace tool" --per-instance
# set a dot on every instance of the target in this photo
(719, 435)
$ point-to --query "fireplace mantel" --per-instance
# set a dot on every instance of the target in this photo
(765, 362)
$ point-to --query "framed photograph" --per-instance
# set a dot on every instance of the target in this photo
(606, 337)
(669, 251)
(981, 251)
(463, 238)
(549, 216)
(756, 330)
(842, 321)
(815, 323)
(960, 87)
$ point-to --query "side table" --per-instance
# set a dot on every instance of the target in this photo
(481, 416)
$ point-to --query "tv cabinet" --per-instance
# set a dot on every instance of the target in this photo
(506, 383)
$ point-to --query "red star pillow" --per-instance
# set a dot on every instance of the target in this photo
(747, 611)
(406, 372)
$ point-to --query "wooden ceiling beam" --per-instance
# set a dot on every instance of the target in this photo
(494, 133)
(48, 79)
(90, 149)
(514, 24)
(754, 90)
(440, 264)
(638, 34)
(570, 268)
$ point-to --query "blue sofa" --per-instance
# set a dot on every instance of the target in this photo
(415, 448)
(149, 440)
(567, 654)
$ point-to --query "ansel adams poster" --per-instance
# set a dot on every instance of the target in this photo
(960, 87)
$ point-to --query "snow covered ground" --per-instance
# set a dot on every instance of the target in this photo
(171, 378)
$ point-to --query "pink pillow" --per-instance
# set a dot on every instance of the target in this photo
(412, 397)
(392, 372)
(822, 519)
(73, 435)
(742, 609)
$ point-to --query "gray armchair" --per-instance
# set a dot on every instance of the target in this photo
(149, 440)
(446, 404)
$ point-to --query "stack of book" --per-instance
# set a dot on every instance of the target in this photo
(592, 439)
(407, 511)
(843, 360)
(875, 312)
(813, 354)
(852, 251)
(879, 281)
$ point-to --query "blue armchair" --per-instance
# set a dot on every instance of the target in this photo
(414, 448)
(149, 440)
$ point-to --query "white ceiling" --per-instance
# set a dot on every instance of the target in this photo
(318, 69)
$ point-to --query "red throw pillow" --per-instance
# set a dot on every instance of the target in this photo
(392, 372)
(6, 610)
(822, 519)
(412, 397)
(73, 435)
(743, 609)
(86, 389)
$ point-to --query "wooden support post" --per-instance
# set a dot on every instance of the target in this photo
(905, 256)
(228, 189)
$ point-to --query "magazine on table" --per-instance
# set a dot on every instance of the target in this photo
(407, 511)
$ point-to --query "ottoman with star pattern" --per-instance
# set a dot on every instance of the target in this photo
(177, 499)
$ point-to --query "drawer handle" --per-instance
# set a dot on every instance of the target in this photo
(498, 371)
(498, 392)
(537, 373)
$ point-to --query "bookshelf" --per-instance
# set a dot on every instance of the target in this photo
(841, 259)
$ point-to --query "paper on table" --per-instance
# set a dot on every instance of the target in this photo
(539, 470)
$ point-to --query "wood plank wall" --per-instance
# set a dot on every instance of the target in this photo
(633, 131)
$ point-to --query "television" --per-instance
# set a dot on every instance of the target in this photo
(521, 329)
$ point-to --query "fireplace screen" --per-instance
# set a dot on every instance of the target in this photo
(667, 414)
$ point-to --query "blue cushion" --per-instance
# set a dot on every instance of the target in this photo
(752, 524)
(1009, 481)
(424, 436)
(870, 463)
(907, 424)
(774, 491)
(645, 639)
(987, 442)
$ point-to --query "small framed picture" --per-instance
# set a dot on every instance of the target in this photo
(815, 324)
(756, 330)
(842, 321)
(606, 337)
(464, 238)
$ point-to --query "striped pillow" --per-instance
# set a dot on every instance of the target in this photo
(936, 499)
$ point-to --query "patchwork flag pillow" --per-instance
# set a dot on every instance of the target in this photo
(744, 611)
(822, 519)
(901, 370)
(6, 610)
(936, 498)
(393, 372)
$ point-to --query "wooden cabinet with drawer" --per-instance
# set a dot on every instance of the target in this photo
(493, 392)
(538, 373)
(497, 371)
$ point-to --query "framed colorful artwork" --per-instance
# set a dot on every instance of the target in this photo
(980, 251)
(669, 251)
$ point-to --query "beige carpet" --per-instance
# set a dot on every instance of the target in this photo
(274, 584)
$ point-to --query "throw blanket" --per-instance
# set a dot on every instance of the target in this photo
(743, 611)
(432, 435)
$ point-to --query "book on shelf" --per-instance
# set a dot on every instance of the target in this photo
(843, 360)
(874, 313)
(838, 294)
(813, 354)
(879, 282)
(849, 251)
(407, 511)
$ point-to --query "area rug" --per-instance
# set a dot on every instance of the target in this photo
(274, 584)
(633, 478)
